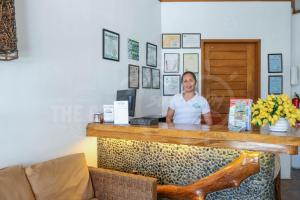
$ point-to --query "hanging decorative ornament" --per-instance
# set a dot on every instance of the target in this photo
(8, 35)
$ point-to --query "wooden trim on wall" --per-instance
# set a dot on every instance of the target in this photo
(258, 54)
(294, 9)
(216, 0)
(202, 64)
(230, 40)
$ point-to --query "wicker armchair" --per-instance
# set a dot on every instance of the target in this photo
(109, 184)
(69, 178)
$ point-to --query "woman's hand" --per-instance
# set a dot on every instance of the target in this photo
(170, 115)
(208, 119)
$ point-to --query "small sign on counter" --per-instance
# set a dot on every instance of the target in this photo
(121, 112)
(240, 115)
(108, 113)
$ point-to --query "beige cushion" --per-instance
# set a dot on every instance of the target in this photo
(14, 184)
(61, 179)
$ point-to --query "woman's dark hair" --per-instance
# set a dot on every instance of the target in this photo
(188, 72)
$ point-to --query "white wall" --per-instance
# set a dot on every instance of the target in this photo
(296, 62)
(296, 47)
(268, 21)
(49, 93)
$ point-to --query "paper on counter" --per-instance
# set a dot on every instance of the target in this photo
(121, 112)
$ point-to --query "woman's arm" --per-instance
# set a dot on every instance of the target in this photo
(207, 118)
(170, 115)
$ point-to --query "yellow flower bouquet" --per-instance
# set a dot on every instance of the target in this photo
(269, 111)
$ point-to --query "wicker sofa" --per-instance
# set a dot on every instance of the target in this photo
(69, 178)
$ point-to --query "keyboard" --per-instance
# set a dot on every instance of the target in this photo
(145, 121)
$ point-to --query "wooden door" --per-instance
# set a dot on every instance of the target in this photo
(230, 69)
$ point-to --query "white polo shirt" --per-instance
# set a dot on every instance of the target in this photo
(188, 112)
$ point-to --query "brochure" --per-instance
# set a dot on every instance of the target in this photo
(240, 115)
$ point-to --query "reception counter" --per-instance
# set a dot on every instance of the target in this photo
(189, 154)
(202, 135)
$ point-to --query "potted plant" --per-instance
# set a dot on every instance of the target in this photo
(277, 111)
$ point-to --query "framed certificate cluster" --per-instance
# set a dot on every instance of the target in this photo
(275, 82)
(150, 78)
(184, 40)
(172, 60)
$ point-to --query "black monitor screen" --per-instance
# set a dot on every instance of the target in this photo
(130, 96)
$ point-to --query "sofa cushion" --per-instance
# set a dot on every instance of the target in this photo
(60, 179)
(14, 184)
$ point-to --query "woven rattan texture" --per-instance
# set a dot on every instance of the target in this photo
(112, 185)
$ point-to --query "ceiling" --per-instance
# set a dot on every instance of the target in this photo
(215, 0)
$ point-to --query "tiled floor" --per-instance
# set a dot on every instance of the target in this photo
(290, 189)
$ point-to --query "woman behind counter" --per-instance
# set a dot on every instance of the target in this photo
(187, 107)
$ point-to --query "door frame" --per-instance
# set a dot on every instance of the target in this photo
(257, 43)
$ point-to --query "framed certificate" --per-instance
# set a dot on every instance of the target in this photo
(133, 50)
(191, 62)
(155, 78)
(133, 76)
(171, 62)
(275, 84)
(275, 63)
(171, 85)
(171, 41)
(146, 77)
(191, 40)
(151, 52)
(110, 45)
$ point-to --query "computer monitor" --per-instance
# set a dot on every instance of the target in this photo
(130, 96)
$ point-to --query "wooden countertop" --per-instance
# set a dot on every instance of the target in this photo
(202, 135)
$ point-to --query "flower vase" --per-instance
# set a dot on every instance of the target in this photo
(282, 125)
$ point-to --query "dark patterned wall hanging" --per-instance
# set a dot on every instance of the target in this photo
(8, 35)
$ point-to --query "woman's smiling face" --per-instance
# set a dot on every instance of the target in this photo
(189, 83)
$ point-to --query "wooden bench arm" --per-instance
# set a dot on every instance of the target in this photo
(230, 176)
(110, 184)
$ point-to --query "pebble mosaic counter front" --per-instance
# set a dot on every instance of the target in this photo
(182, 165)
